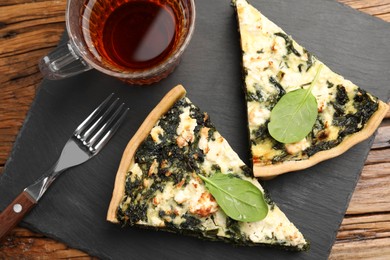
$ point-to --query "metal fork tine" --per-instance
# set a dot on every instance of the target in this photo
(112, 129)
(91, 117)
(107, 122)
(101, 119)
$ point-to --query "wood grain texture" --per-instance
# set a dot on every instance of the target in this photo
(31, 28)
(11, 216)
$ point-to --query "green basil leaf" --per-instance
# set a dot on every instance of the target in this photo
(294, 115)
(239, 199)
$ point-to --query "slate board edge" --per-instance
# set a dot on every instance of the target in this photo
(358, 12)
(92, 252)
(21, 131)
(334, 235)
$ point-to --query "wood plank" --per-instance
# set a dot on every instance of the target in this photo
(32, 10)
(372, 193)
(377, 8)
(363, 234)
(383, 136)
(361, 249)
(359, 4)
(365, 227)
(29, 41)
(385, 16)
(378, 156)
(22, 240)
(15, 2)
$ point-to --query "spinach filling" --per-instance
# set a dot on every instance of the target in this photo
(348, 123)
(310, 60)
(289, 44)
(254, 95)
(233, 231)
(171, 165)
(278, 86)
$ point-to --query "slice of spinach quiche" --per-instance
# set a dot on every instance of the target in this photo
(287, 90)
(161, 181)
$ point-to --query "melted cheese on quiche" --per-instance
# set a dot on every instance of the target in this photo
(275, 64)
(163, 189)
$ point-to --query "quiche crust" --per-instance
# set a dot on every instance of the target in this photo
(127, 160)
(271, 171)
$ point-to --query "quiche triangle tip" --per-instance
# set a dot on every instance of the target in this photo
(158, 185)
(275, 64)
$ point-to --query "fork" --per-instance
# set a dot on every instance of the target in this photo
(87, 140)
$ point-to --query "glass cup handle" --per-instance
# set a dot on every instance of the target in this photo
(62, 63)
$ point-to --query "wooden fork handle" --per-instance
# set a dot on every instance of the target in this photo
(15, 212)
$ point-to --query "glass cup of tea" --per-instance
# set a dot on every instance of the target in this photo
(137, 41)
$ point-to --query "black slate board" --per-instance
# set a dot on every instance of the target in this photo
(74, 210)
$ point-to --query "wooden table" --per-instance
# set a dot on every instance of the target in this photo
(31, 28)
